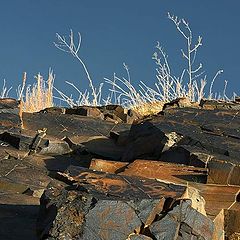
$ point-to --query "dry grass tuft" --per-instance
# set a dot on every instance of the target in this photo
(39, 95)
(149, 108)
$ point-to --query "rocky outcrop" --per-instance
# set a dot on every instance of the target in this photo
(106, 173)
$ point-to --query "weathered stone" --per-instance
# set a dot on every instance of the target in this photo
(123, 186)
(87, 111)
(232, 224)
(139, 237)
(120, 138)
(66, 125)
(107, 166)
(18, 171)
(56, 110)
(22, 141)
(169, 172)
(18, 214)
(10, 114)
(103, 147)
(218, 104)
(178, 103)
(57, 147)
(183, 220)
(144, 141)
(219, 232)
(103, 206)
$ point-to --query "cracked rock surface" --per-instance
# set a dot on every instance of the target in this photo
(106, 173)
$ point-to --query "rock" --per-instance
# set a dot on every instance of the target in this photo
(56, 110)
(144, 141)
(85, 111)
(169, 172)
(55, 147)
(107, 166)
(126, 187)
(232, 224)
(18, 171)
(218, 104)
(117, 205)
(237, 99)
(103, 147)
(18, 214)
(139, 237)
(65, 125)
(183, 221)
(10, 114)
(219, 229)
(178, 103)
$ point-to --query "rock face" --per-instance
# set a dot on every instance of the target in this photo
(105, 173)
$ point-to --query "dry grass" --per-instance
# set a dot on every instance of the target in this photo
(5, 91)
(39, 95)
(149, 108)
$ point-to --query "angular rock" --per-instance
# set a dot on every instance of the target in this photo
(85, 111)
(121, 186)
(219, 229)
(65, 125)
(10, 114)
(183, 221)
(18, 214)
(169, 172)
(107, 166)
(103, 147)
(144, 141)
(232, 224)
(102, 206)
(139, 237)
(219, 104)
(178, 103)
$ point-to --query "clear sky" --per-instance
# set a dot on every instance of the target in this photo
(114, 32)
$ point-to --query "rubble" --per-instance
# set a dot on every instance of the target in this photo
(105, 172)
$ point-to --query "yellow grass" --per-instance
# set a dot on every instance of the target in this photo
(149, 108)
(38, 96)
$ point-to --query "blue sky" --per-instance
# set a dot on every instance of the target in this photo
(114, 32)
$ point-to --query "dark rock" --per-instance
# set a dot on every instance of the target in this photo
(178, 103)
(102, 206)
(10, 114)
(56, 110)
(232, 226)
(85, 111)
(144, 141)
(183, 221)
(218, 104)
(66, 125)
(139, 237)
(18, 214)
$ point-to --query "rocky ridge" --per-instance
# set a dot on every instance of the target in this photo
(108, 173)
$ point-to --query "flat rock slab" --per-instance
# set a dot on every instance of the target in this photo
(169, 172)
(218, 197)
(21, 172)
(62, 125)
(123, 187)
(214, 130)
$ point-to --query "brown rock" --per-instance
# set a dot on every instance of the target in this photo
(169, 172)
(107, 166)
